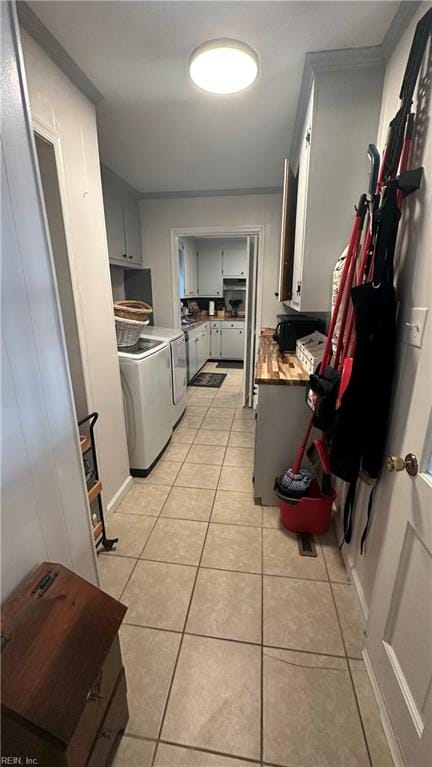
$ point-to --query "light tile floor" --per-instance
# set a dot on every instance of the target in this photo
(238, 651)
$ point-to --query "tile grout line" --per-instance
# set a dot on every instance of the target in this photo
(347, 660)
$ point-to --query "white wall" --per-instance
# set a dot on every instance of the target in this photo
(44, 510)
(60, 106)
(413, 285)
(158, 216)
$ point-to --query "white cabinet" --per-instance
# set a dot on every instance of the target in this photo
(197, 348)
(210, 280)
(132, 227)
(215, 341)
(234, 260)
(115, 228)
(122, 221)
(188, 269)
(232, 341)
(191, 272)
(192, 359)
(329, 152)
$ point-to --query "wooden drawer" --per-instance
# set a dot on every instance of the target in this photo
(112, 726)
(215, 324)
(95, 707)
(238, 324)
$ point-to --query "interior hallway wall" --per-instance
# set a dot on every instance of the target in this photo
(416, 268)
(44, 510)
(58, 104)
(159, 216)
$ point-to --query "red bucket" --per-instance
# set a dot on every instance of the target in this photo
(309, 514)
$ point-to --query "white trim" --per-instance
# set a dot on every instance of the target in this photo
(400, 22)
(351, 568)
(118, 497)
(173, 195)
(321, 61)
(51, 46)
(389, 732)
(217, 231)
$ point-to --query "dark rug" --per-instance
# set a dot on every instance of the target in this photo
(231, 365)
(211, 380)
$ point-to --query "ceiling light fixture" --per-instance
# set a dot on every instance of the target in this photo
(223, 66)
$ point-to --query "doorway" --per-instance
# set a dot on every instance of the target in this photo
(219, 271)
(46, 155)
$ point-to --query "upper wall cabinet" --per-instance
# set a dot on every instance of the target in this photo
(234, 260)
(122, 219)
(337, 119)
(188, 268)
(210, 280)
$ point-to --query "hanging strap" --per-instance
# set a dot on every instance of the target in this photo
(387, 218)
(349, 511)
(369, 514)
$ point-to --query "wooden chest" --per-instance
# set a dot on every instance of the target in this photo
(63, 695)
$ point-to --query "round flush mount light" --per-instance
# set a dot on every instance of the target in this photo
(223, 66)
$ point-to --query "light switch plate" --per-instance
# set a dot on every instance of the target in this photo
(414, 326)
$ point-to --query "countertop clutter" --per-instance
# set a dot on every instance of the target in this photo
(196, 320)
(275, 367)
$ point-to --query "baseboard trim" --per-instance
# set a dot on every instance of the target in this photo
(118, 497)
(351, 569)
(389, 732)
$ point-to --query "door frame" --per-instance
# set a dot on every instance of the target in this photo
(219, 231)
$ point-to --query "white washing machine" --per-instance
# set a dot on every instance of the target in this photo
(177, 342)
(146, 385)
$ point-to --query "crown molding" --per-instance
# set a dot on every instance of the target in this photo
(327, 61)
(43, 37)
(211, 193)
(401, 20)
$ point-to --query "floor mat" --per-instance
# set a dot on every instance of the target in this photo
(211, 380)
(231, 365)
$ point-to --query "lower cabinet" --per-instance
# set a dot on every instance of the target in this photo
(215, 341)
(232, 343)
(198, 349)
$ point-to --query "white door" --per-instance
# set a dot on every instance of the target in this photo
(400, 620)
(210, 271)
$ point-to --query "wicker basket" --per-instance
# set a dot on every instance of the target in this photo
(128, 331)
(133, 310)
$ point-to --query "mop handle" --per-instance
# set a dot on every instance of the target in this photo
(344, 276)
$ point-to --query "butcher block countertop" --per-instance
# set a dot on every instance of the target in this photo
(274, 367)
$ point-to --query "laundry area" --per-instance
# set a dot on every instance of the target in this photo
(217, 447)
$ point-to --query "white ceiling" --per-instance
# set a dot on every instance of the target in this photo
(156, 129)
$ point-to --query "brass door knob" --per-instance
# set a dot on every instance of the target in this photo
(397, 463)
